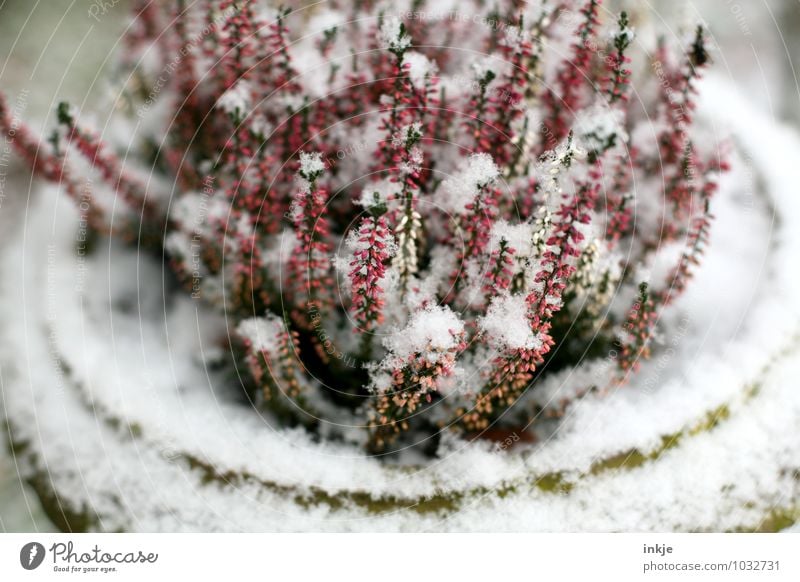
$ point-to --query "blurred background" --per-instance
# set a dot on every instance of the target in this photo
(61, 50)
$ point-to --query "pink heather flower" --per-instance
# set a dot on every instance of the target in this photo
(513, 370)
(618, 201)
(272, 355)
(506, 103)
(638, 330)
(478, 109)
(478, 192)
(617, 79)
(573, 77)
(472, 198)
(310, 265)
(420, 356)
(501, 270)
(678, 158)
(237, 41)
(373, 246)
(46, 161)
(105, 162)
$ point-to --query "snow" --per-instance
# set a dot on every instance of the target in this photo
(481, 67)
(311, 165)
(513, 37)
(262, 333)
(381, 192)
(481, 170)
(470, 179)
(506, 323)
(190, 209)
(390, 35)
(236, 100)
(596, 124)
(406, 134)
(629, 33)
(420, 68)
(414, 162)
(434, 329)
(260, 126)
(354, 242)
(518, 236)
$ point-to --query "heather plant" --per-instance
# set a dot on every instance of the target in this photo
(404, 237)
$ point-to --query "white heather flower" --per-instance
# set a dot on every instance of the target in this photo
(406, 260)
(554, 163)
(585, 271)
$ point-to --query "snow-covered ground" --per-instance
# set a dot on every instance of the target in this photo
(48, 51)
